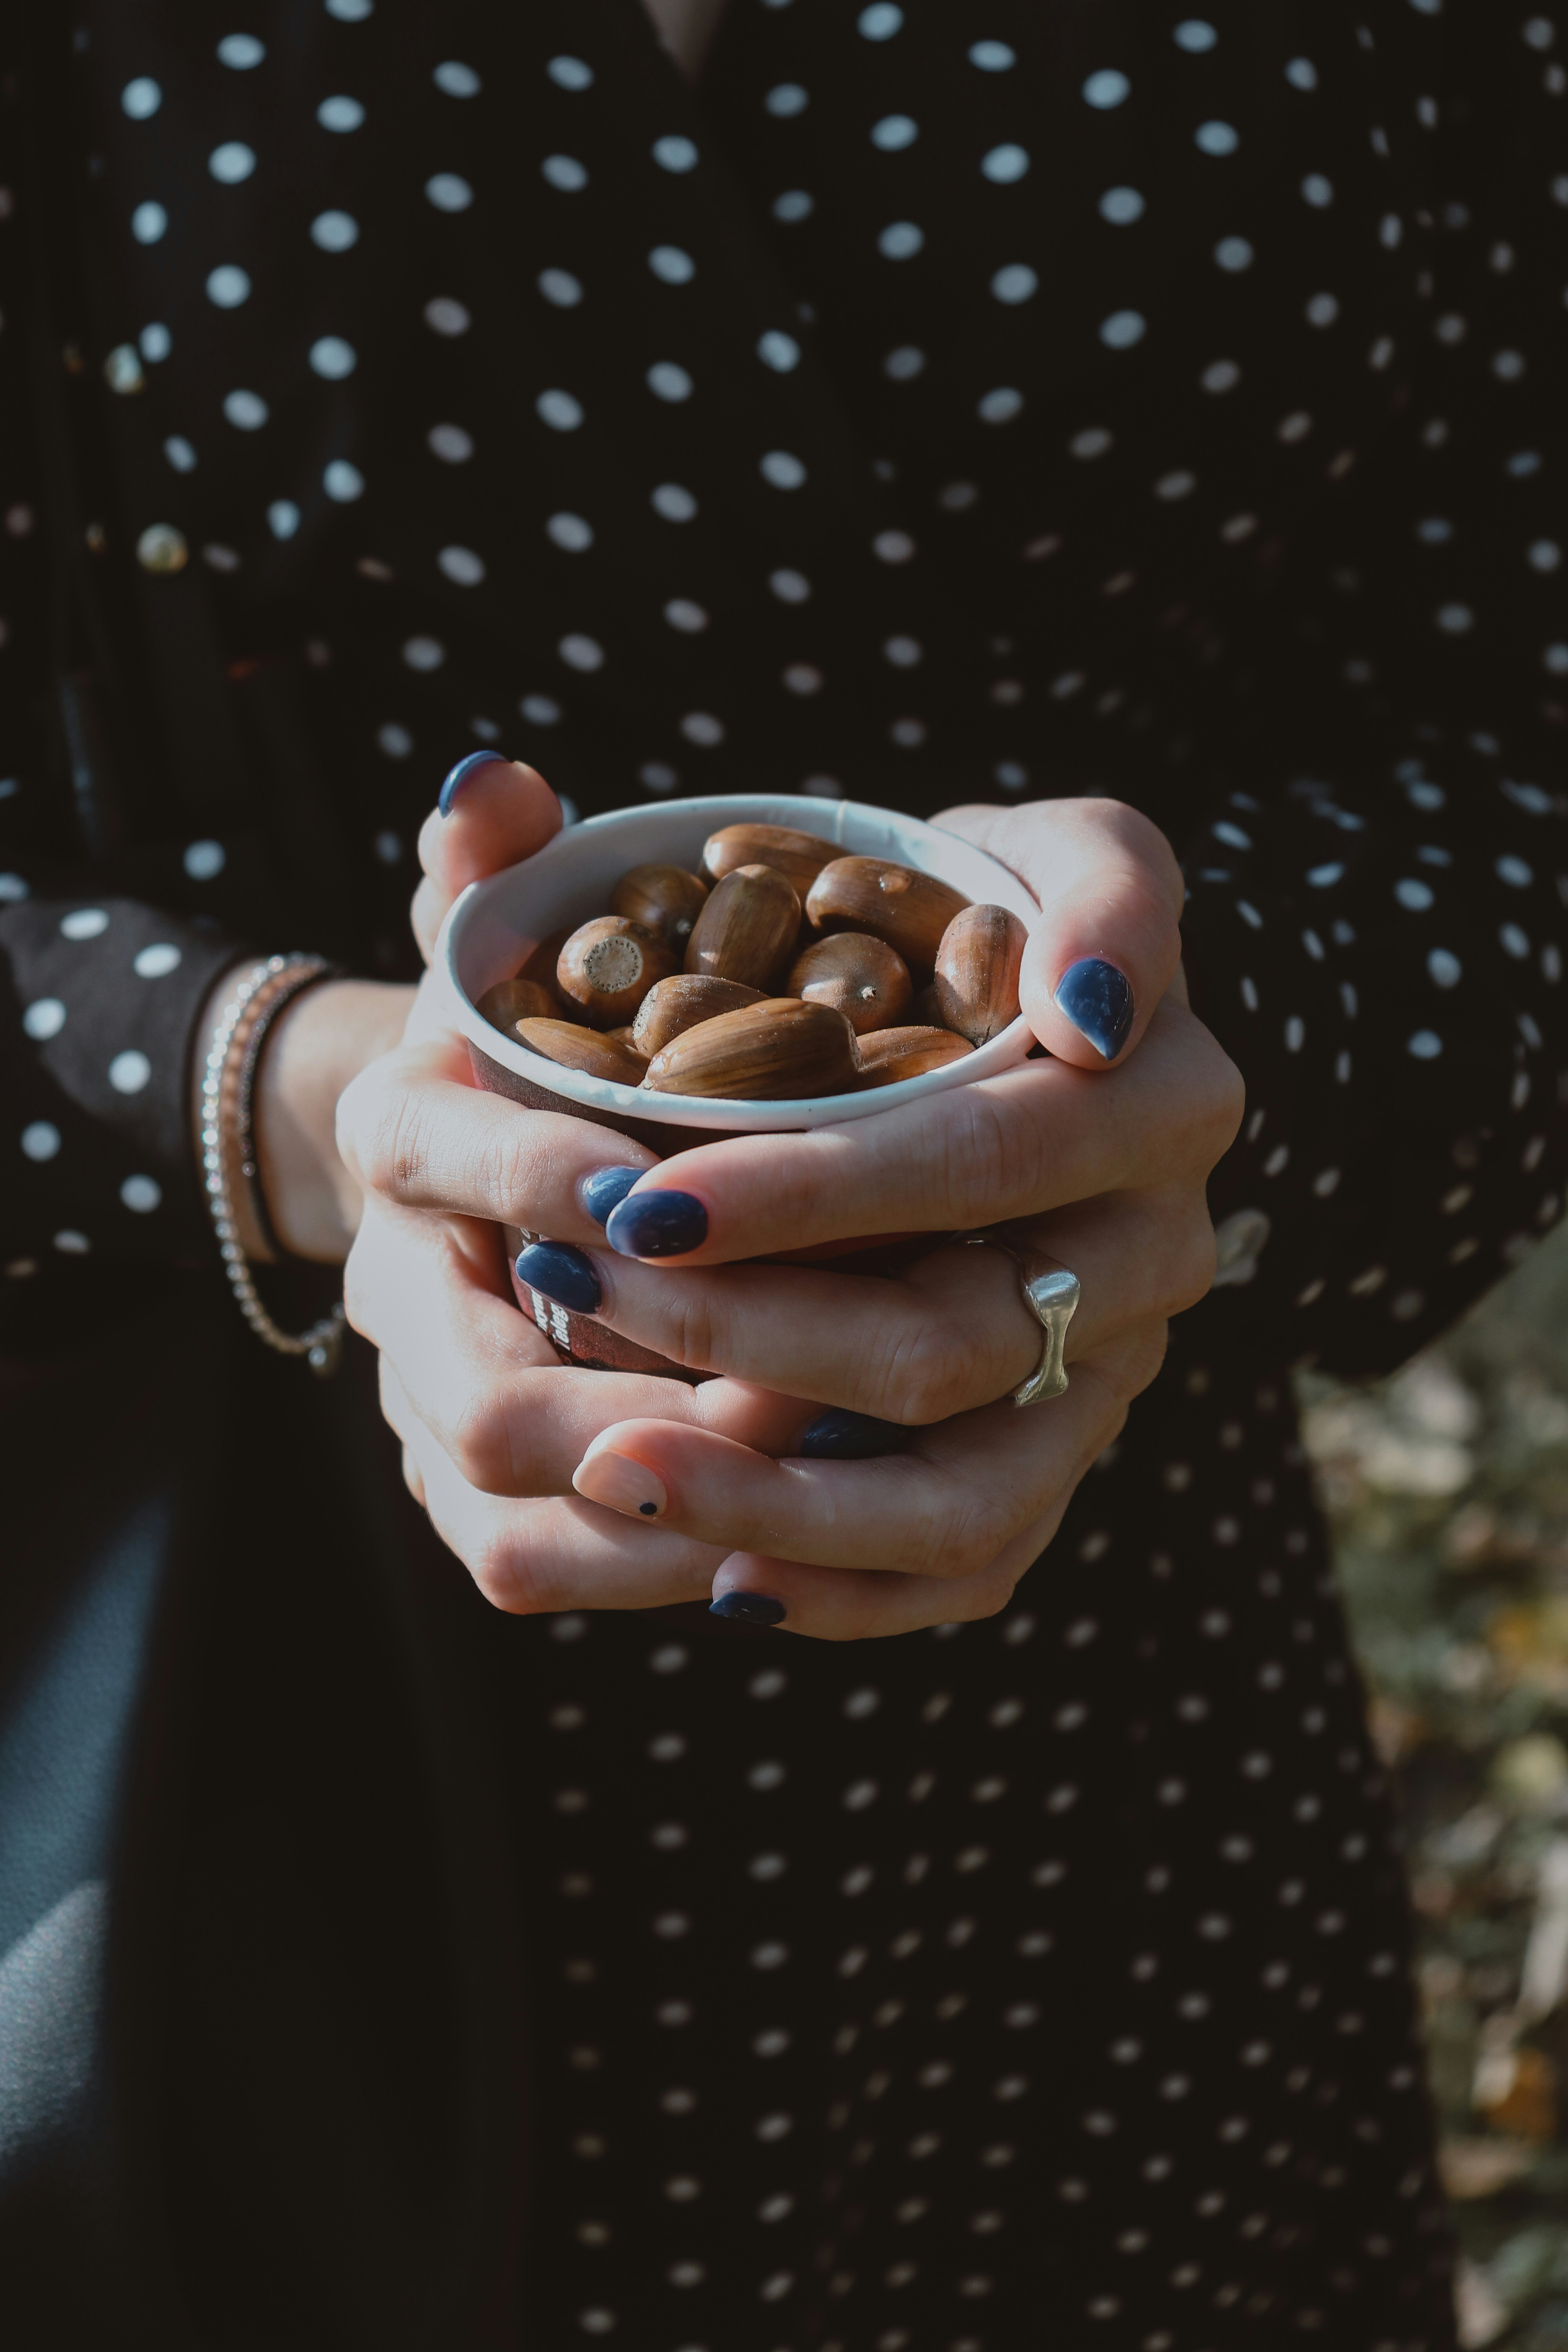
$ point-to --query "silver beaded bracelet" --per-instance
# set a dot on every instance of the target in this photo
(321, 1344)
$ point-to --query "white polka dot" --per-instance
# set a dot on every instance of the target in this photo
(881, 22)
(1121, 330)
(1120, 206)
(1414, 895)
(142, 98)
(674, 503)
(141, 1194)
(247, 411)
(893, 547)
(241, 52)
(1426, 1046)
(450, 193)
(570, 73)
(779, 351)
(446, 316)
(999, 406)
(1233, 253)
(900, 240)
(343, 481)
(148, 222)
(683, 614)
(904, 363)
(790, 587)
(129, 1072)
(540, 709)
(332, 357)
(394, 740)
(204, 859)
(1322, 311)
(155, 343)
(1515, 872)
(1005, 164)
(44, 1018)
(894, 132)
(671, 264)
(156, 962)
(462, 566)
(1194, 36)
(581, 653)
(1301, 74)
(1216, 138)
(71, 1243)
(349, 12)
(334, 232)
(571, 532)
(1317, 191)
(675, 154)
(41, 1139)
(1015, 283)
(283, 517)
(991, 57)
(702, 727)
(423, 654)
(1106, 89)
(232, 162)
(793, 204)
(787, 99)
(1454, 620)
(85, 923)
(341, 114)
(457, 79)
(782, 470)
(669, 381)
(560, 411)
(1177, 485)
(228, 285)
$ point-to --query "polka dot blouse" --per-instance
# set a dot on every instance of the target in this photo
(938, 402)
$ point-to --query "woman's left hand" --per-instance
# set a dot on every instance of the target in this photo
(1102, 1170)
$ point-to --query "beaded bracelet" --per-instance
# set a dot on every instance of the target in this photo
(227, 1072)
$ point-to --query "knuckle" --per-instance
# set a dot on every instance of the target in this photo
(966, 1540)
(479, 1444)
(936, 1367)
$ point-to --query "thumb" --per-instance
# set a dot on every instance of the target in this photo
(1107, 942)
(491, 812)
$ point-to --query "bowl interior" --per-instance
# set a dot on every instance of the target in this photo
(495, 923)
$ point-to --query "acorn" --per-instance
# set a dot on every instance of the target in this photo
(576, 1048)
(976, 981)
(664, 897)
(674, 1005)
(775, 1051)
(798, 857)
(540, 965)
(890, 1055)
(747, 928)
(518, 1000)
(909, 910)
(607, 967)
(863, 978)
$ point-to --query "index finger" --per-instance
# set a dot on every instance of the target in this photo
(491, 812)
(1015, 1146)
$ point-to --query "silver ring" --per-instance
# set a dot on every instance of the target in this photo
(1051, 1297)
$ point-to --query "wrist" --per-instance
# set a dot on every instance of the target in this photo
(318, 1045)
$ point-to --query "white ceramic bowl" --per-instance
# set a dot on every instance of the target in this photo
(495, 924)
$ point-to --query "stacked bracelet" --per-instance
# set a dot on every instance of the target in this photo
(228, 1079)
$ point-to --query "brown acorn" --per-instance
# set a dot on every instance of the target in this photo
(542, 960)
(518, 1000)
(863, 978)
(775, 1051)
(607, 967)
(798, 857)
(678, 1004)
(926, 1008)
(976, 981)
(909, 910)
(747, 928)
(890, 1055)
(664, 897)
(577, 1048)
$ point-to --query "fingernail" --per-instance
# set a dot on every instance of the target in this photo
(561, 1273)
(621, 1484)
(751, 1608)
(461, 774)
(1098, 1001)
(657, 1224)
(605, 1189)
(839, 1437)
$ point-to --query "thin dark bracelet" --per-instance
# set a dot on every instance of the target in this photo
(291, 980)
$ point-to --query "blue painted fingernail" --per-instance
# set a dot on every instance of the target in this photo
(657, 1224)
(1098, 1001)
(561, 1273)
(461, 774)
(751, 1608)
(839, 1437)
(605, 1189)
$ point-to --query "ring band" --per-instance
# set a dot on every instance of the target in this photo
(1051, 1297)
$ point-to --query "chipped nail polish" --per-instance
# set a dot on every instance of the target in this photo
(837, 1436)
(657, 1224)
(459, 776)
(605, 1189)
(561, 1273)
(751, 1608)
(621, 1484)
(1097, 999)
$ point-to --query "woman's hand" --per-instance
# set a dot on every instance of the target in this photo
(687, 1490)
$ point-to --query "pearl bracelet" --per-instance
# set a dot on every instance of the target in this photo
(274, 981)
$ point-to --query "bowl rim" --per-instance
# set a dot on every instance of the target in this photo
(830, 819)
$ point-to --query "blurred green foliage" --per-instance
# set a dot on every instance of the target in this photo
(1446, 1487)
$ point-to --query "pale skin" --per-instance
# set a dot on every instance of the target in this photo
(536, 1473)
